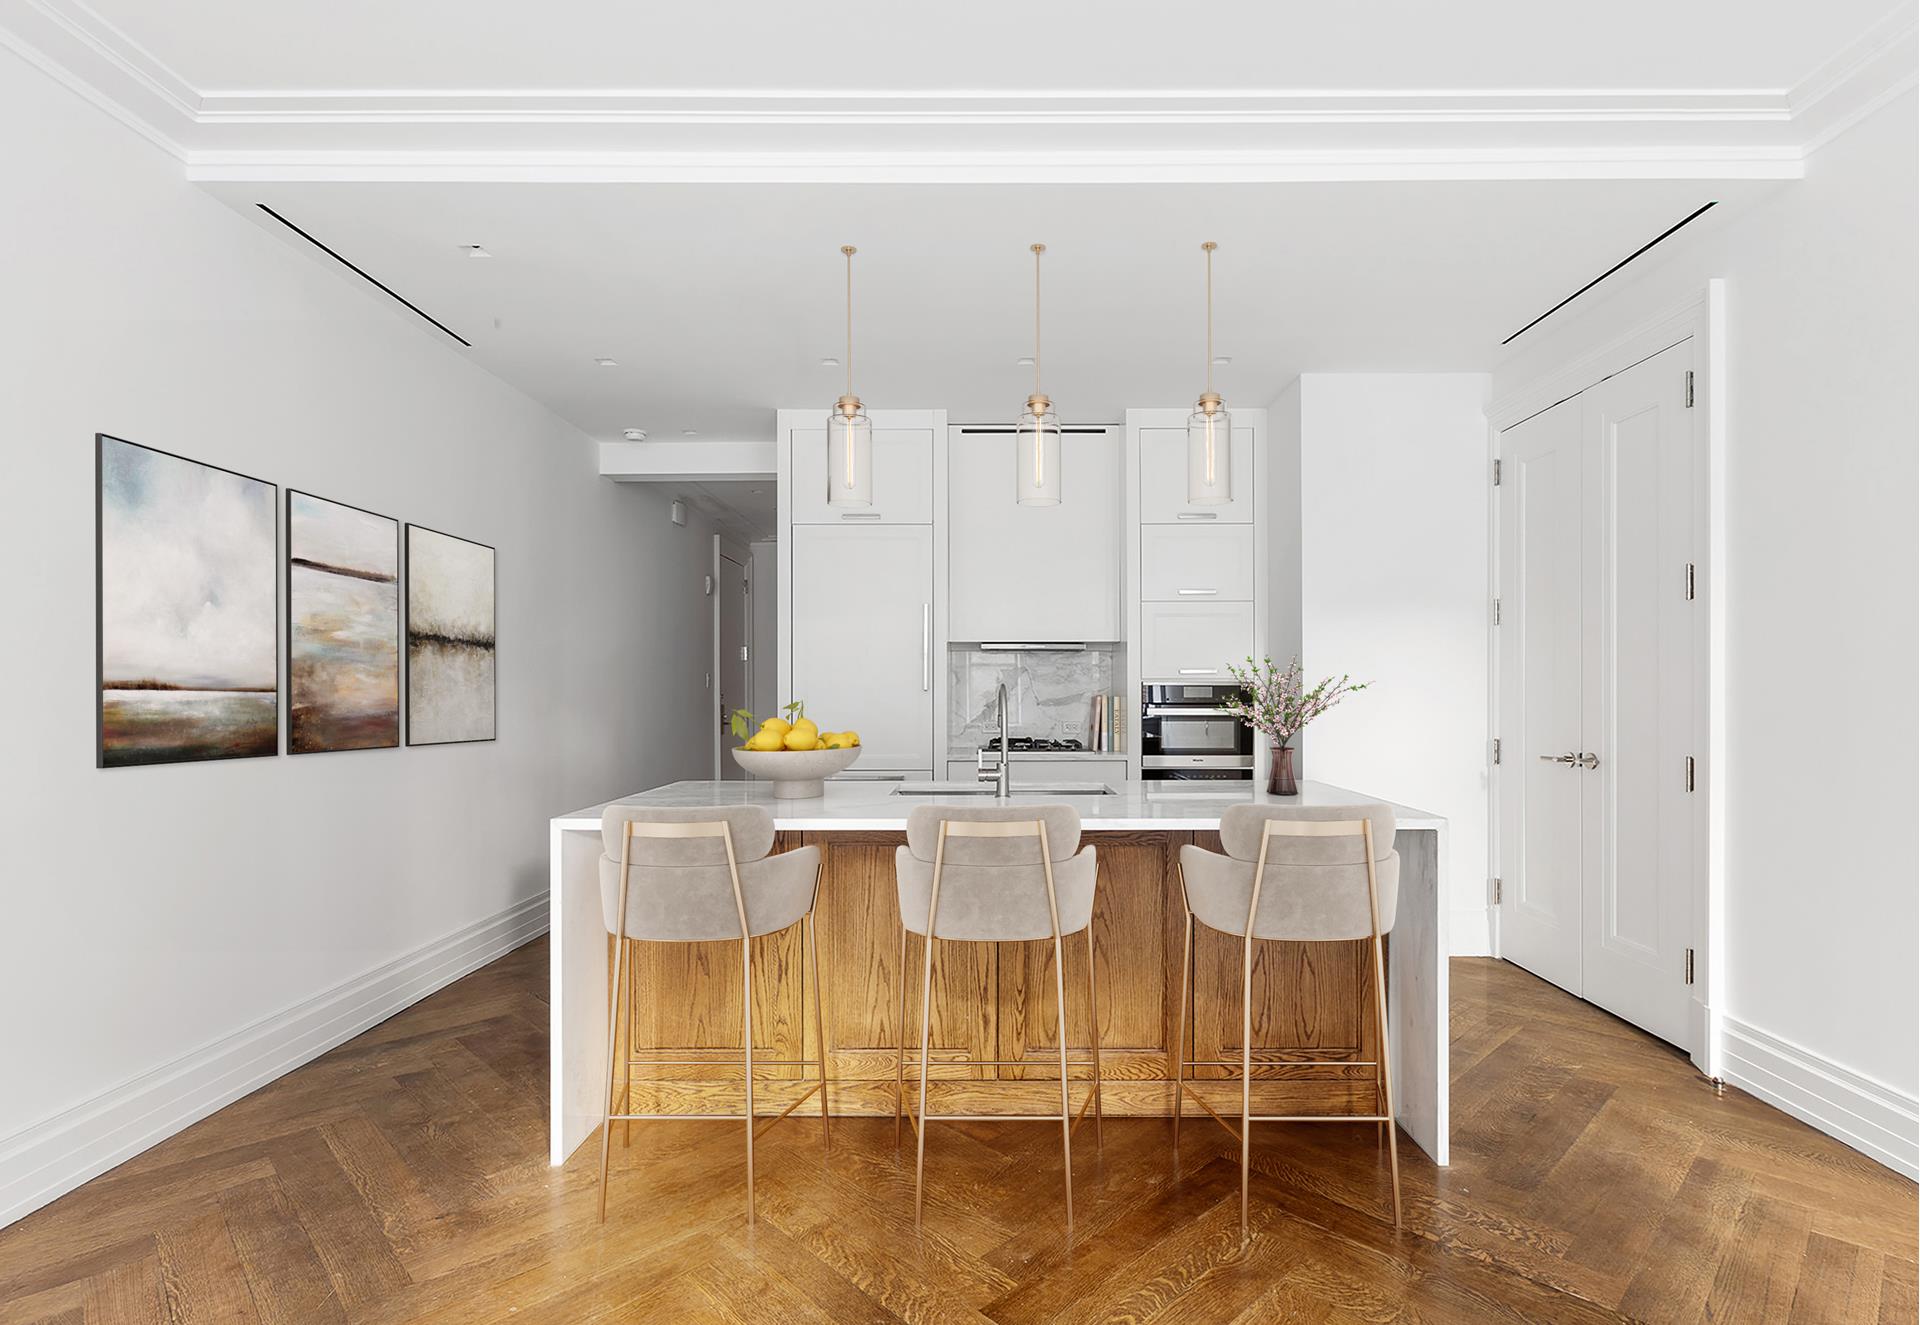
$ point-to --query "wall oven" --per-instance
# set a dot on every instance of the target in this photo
(1185, 737)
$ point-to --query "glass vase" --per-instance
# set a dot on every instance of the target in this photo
(1280, 772)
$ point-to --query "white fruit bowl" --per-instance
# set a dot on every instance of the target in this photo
(796, 774)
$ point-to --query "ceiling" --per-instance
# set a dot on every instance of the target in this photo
(718, 302)
(1130, 46)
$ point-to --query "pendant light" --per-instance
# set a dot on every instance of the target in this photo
(1037, 455)
(849, 430)
(1209, 428)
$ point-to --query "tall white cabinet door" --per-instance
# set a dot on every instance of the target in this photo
(1541, 663)
(1163, 480)
(863, 654)
(902, 479)
(1033, 573)
(1637, 815)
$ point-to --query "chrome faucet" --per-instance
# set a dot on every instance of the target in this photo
(1001, 774)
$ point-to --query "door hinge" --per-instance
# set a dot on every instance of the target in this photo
(1689, 388)
(1496, 892)
(1689, 581)
(1496, 473)
(1496, 611)
(743, 653)
(1689, 772)
(1496, 749)
(708, 589)
(1689, 965)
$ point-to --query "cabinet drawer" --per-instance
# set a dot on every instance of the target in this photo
(1034, 772)
(902, 479)
(1193, 641)
(1163, 480)
(1198, 563)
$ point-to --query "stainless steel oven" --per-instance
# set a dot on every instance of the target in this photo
(1184, 735)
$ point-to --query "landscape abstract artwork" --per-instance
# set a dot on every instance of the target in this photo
(449, 639)
(189, 666)
(343, 627)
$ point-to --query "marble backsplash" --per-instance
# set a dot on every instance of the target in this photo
(1050, 694)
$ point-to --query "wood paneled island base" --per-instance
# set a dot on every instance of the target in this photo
(1315, 1035)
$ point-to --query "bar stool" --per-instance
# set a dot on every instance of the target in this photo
(1297, 874)
(994, 874)
(701, 876)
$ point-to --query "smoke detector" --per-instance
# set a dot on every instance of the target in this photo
(634, 434)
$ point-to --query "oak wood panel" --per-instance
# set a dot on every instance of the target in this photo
(1312, 1002)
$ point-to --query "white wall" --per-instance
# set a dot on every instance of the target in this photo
(153, 911)
(1282, 462)
(1393, 573)
(1821, 610)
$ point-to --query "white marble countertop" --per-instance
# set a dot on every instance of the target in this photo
(873, 806)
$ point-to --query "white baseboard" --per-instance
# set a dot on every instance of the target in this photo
(53, 1156)
(1868, 1115)
(1471, 932)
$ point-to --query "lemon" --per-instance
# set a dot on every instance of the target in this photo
(801, 739)
(765, 740)
(778, 726)
(851, 738)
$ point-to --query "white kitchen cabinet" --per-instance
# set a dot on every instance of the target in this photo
(1196, 563)
(862, 636)
(1163, 480)
(1033, 573)
(1030, 772)
(902, 479)
(1194, 641)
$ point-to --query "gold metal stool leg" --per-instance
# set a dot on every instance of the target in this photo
(1177, 1066)
(819, 1029)
(1093, 1017)
(900, 1043)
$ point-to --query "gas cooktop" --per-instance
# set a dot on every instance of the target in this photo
(1043, 744)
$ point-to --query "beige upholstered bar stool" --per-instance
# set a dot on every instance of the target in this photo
(1299, 874)
(701, 876)
(995, 874)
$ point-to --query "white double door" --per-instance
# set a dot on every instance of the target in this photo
(1601, 528)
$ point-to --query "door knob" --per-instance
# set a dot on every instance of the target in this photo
(1568, 759)
(1589, 761)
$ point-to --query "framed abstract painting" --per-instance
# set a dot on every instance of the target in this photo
(187, 644)
(450, 642)
(343, 627)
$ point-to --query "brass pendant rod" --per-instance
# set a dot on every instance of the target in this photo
(849, 250)
(1209, 246)
(1038, 249)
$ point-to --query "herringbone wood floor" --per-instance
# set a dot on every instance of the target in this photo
(403, 1177)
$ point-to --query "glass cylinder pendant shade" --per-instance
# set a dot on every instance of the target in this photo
(849, 454)
(1209, 453)
(1036, 471)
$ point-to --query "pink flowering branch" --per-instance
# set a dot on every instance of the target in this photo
(1276, 702)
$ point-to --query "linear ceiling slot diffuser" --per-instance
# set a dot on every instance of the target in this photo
(1671, 230)
(374, 281)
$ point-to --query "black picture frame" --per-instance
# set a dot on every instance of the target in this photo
(407, 630)
(101, 761)
(399, 621)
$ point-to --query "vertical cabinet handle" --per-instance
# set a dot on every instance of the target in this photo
(926, 646)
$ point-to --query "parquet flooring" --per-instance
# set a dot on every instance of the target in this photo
(403, 1177)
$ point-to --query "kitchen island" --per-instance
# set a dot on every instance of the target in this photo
(1312, 1006)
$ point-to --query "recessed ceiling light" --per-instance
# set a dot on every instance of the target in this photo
(1222, 360)
(689, 432)
(1025, 361)
(634, 434)
(829, 362)
(608, 363)
(474, 251)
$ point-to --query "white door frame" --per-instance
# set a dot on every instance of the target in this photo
(1701, 316)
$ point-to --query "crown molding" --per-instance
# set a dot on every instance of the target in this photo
(976, 137)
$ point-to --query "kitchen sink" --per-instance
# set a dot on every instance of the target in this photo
(1021, 791)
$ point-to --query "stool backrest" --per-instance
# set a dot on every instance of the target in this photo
(700, 873)
(1297, 872)
(993, 864)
